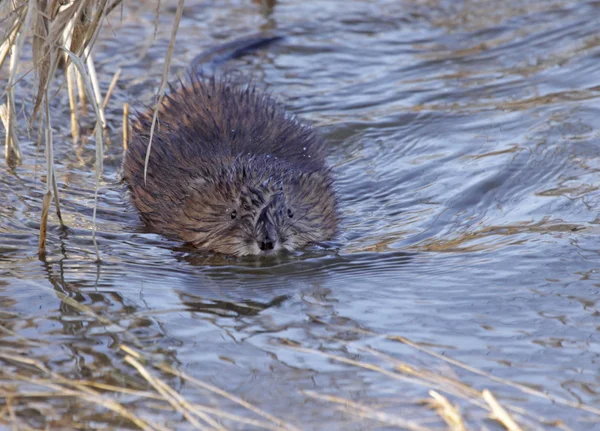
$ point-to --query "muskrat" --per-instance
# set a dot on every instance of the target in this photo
(230, 171)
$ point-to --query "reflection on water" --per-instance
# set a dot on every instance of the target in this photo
(465, 144)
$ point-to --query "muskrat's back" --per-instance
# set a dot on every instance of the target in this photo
(230, 171)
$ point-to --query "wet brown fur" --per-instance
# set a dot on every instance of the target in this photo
(229, 169)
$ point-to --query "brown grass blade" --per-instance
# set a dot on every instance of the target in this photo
(50, 182)
(93, 80)
(71, 73)
(448, 411)
(151, 395)
(462, 365)
(360, 410)
(111, 87)
(125, 126)
(499, 413)
(65, 387)
(16, 49)
(429, 376)
(83, 102)
(12, 35)
(99, 140)
(198, 383)
(44, 224)
(163, 81)
(160, 387)
(56, 197)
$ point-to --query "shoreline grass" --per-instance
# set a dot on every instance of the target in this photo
(61, 36)
(26, 382)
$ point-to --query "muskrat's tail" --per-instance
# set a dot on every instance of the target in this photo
(216, 56)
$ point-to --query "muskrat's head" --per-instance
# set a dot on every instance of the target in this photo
(259, 207)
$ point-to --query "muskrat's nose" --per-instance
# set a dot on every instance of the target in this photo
(266, 234)
(267, 244)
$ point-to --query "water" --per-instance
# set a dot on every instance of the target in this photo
(465, 144)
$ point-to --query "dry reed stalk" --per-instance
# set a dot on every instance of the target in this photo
(83, 104)
(93, 80)
(163, 81)
(153, 396)
(172, 398)
(113, 6)
(11, 413)
(6, 119)
(99, 140)
(71, 73)
(11, 143)
(125, 126)
(48, 33)
(34, 394)
(111, 87)
(44, 223)
(56, 197)
(10, 40)
(433, 378)
(3, 413)
(93, 28)
(120, 389)
(53, 25)
(239, 419)
(65, 387)
(462, 365)
(50, 181)
(156, 17)
(64, 392)
(51, 169)
(189, 407)
(425, 379)
(76, 39)
(206, 386)
(499, 413)
(365, 365)
(11, 131)
(367, 412)
(56, 25)
(449, 412)
(227, 395)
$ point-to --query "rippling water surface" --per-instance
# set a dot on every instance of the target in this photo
(464, 136)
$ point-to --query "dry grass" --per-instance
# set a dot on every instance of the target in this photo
(523, 388)
(511, 417)
(163, 81)
(60, 34)
(30, 382)
(447, 411)
(146, 389)
(27, 384)
(65, 34)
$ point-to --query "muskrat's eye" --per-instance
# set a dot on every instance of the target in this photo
(290, 213)
(233, 214)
